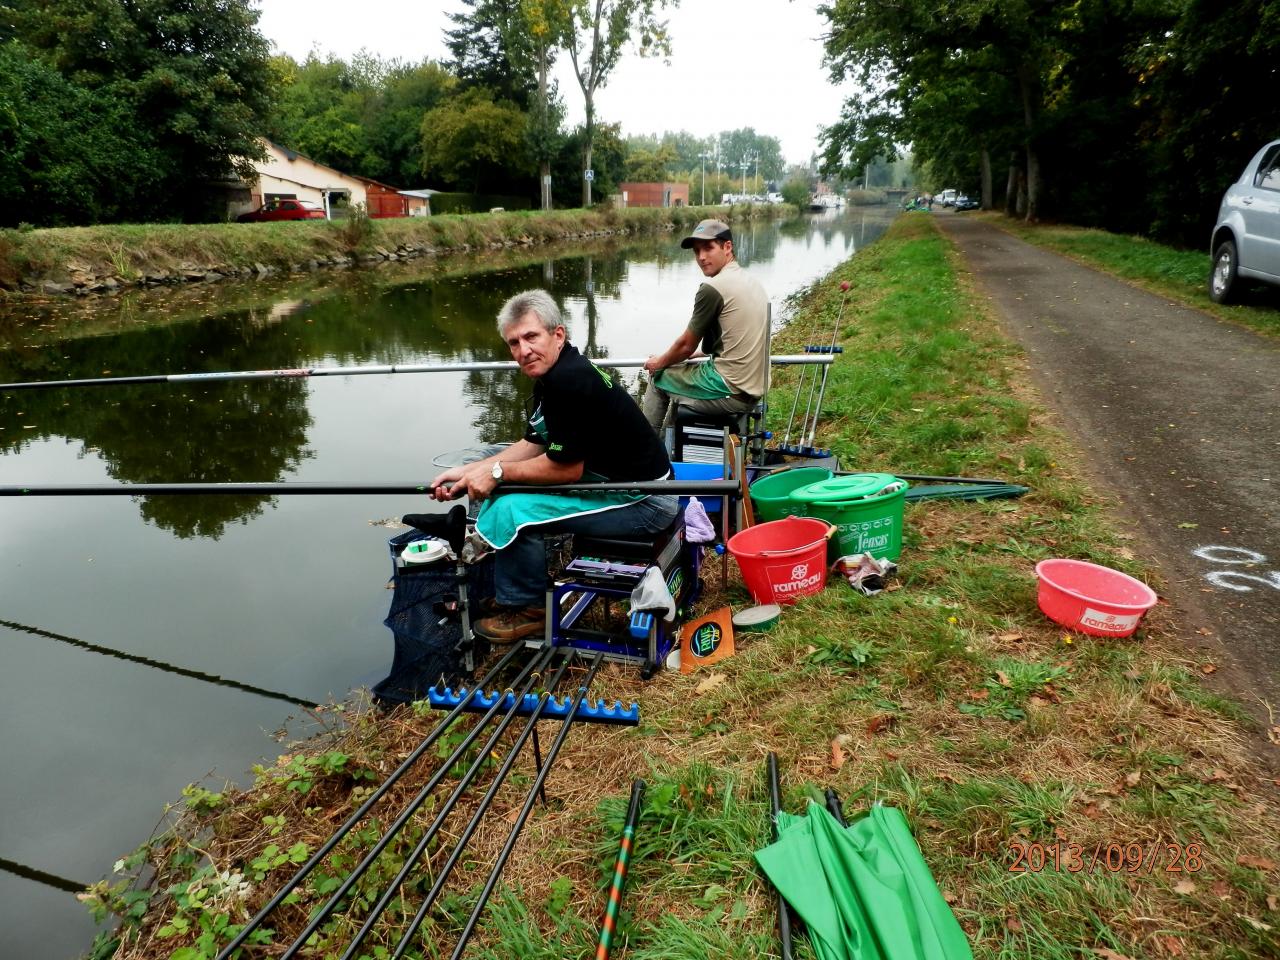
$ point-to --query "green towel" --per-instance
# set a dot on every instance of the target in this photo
(501, 518)
(863, 891)
(697, 381)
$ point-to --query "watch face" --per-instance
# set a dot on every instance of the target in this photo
(497, 471)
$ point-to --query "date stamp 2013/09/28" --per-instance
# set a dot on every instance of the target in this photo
(1133, 858)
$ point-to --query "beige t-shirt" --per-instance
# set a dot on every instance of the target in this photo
(731, 318)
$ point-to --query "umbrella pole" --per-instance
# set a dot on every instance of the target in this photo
(834, 808)
(775, 804)
(620, 872)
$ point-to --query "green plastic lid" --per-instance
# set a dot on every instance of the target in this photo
(855, 486)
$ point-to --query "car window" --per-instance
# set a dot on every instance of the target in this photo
(289, 205)
(1268, 175)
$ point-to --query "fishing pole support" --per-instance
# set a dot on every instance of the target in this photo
(597, 711)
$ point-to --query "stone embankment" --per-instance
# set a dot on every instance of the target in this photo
(96, 261)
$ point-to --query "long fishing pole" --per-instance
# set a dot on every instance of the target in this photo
(835, 333)
(486, 801)
(365, 807)
(523, 817)
(297, 373)
(775, 806)
(620, 872)
(161, 665)
(717, 488)
(528, 677)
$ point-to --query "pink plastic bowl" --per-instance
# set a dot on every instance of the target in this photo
(1091, 598)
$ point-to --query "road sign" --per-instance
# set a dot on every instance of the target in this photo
(588, 174)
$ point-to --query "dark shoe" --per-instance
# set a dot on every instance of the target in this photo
(511, 624)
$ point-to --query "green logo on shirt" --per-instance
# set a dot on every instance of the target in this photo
(556, 447)
(608, 380)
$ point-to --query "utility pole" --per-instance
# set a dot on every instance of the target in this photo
(755, 179)
(745, 162)
(704, 156)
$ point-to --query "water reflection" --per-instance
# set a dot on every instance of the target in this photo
(285, 599)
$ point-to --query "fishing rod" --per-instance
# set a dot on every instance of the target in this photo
(775, 806)
(365, 807)
(161, 665)
(529, 676)
(706, 488)
(523, 817)
(620, 871)
(298, 373)
(834, 808)
(487, 800)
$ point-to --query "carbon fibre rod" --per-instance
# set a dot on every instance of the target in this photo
(299, 373)
(523, 817)
(610, 924)
(442, 814)
(528, 676)
(487, 800)
(707, 488)
(365, 807)
(775, 805)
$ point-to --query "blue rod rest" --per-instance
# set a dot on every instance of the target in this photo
(591, 711)
(818, 348)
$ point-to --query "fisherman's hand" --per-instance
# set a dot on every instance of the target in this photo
(653, 364)
(441, 485)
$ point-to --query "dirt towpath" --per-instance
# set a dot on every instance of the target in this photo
(1178, 414)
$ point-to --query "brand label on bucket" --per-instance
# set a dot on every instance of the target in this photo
(794, 579)
(1110, 622)
(865, 536)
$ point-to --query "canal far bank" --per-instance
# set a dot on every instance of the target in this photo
(108, 259)
(950, 697)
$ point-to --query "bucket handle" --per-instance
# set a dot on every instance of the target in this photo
(831, 529)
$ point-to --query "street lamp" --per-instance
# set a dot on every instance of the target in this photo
(744, 163)
(704, 157)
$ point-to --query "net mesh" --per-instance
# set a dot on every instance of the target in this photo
(427, 635)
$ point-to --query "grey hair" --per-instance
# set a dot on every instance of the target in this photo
(537, 302)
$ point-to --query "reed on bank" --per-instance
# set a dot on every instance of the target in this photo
(950, 697)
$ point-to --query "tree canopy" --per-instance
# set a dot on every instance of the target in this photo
(1126, 114)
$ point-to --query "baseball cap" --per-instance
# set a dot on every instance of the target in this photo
(707, 230)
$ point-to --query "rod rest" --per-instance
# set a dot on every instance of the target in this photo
(590, 711)
(451, 526)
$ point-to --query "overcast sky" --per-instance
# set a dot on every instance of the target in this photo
(745, 63)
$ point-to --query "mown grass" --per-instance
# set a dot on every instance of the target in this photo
(1180, 275)
(949, 697)
(130, 251)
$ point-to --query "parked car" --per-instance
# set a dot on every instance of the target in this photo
(965, 203)
(1246, 238)
(284, 210)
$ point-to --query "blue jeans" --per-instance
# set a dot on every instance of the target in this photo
(520, 569)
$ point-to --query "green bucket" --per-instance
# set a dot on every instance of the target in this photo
(771, 494)
(866, 509)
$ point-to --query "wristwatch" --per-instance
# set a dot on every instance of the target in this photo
(497, 471)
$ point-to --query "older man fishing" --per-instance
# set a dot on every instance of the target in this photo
(583, 425)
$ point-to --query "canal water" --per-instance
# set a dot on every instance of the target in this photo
(151, 642)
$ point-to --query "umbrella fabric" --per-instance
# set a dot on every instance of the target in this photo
(863, 891)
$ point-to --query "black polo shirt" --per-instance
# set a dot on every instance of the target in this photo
(584, 414)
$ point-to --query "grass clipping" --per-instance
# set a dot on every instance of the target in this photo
(1073, 796)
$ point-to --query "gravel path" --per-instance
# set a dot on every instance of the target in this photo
(1178, 414)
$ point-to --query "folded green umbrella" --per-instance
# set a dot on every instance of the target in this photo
(863, 891)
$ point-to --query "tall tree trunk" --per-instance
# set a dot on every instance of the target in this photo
(1025, 84)
(984, 165)
(544, 168)
(1011, 187)
(586, 155)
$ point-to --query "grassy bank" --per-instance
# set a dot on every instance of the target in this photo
(949, 697)
(130, 254)
(1180, 275)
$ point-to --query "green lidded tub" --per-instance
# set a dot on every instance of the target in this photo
(866, 509)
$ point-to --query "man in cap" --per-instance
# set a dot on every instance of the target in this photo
(730, 322)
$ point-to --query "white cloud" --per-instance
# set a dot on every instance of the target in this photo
(750, 63)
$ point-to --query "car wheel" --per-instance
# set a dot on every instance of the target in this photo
(1223, 282)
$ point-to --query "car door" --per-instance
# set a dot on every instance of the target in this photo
(1260, 213)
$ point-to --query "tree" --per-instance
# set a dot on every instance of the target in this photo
(595, 35)
(68, 156)
(492, 51)
(195, 75)
(471, 141)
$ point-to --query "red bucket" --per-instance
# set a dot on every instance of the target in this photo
(783, 560)
(1091, 598)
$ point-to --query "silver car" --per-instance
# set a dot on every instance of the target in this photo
(1246, 239)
